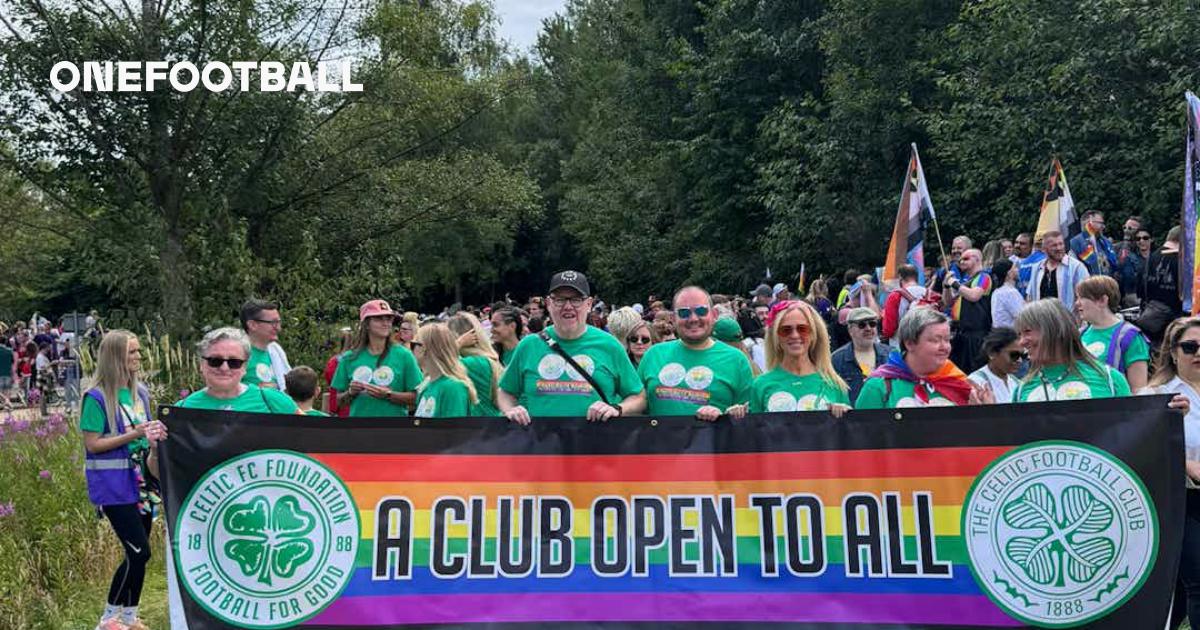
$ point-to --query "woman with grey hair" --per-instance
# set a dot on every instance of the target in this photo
(223, 356)
(1060, 367)
(920, 372)
(635, 335)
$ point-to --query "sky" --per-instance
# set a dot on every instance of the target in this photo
(522, 19)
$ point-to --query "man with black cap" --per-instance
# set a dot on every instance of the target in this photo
(694, 375)
(571, 369)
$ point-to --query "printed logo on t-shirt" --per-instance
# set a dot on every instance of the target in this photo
(551, 367)
(1071, 390)
(1096, 348)
(362, 374)
(383, 375)
(263, 372)
(909, 401)
(671, 374)
(699, 377)
(781, 401)
(426, 407)
(584, 362)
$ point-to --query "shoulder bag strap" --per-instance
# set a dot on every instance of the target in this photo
(571, 362)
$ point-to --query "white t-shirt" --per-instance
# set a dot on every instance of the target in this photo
(42, 362)
(1191, 422)
(1002, 388)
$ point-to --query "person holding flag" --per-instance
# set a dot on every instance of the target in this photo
(970, 310)
(1092, 248)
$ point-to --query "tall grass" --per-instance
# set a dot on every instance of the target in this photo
(168, 366)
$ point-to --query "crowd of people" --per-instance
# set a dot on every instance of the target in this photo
(1017, 321)
(40, 362)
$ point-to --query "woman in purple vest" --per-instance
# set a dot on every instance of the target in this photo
(115, 419)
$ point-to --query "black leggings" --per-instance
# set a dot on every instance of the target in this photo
(133, 530)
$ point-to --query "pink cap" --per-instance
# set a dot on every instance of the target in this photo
(375, 308)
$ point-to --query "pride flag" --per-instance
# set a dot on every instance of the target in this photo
(1058, 208)
(898, 518)
(907, 245)
(1189, 252)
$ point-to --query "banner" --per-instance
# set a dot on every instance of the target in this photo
(1188, 287)
(1048, 514)
(1058, 208)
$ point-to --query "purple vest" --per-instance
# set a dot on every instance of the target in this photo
(111, 477)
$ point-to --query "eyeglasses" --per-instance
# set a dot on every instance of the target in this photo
(1188, 347)
(417, 344)
(863, 325)
(269, 322)
(686, 313)
(787, 330)
(1016, 355)
(641, 340)
(562, 301)
(215, 362)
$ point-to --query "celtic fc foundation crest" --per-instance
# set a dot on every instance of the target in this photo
(267, 539)
(1059, 533)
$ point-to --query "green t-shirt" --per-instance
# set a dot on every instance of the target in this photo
(780, 390)
(506, 356)
(680, 380)
(253, 400)
(398, 371)
(444, 397)
(1097, 340)
(1081, 382)
(480, 370)
(258, 369)
(546, 385)
(93, 418)
(316, 413)
(874, 395)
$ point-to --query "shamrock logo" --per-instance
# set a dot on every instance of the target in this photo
(1069, 545)
(269, 541)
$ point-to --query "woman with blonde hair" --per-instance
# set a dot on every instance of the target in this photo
(447, 391)
(1060, 367)
(800, 374)
(117, 436)
(479, 357)
(635, 335)
(406, 329)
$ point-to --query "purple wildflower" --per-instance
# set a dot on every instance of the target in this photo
(45, 474)
(7, 509)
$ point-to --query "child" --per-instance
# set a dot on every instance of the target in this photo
(446, 392)
(301, 385)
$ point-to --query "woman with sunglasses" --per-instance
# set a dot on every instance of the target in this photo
(1177, 371)
(920, 373)
(633, 332)
(377, 378)
(800, 374)
(224, 354)
(1109, 338)
(1002, 350)
(1061, 368)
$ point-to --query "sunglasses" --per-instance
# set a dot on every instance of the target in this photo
(686, 313)
(269, 322)
(870, 323)
(1143, 238)
(787, 330)
(1016, 356)
(215, 362)
(641, 340)
(417, 344)
(1188, 347)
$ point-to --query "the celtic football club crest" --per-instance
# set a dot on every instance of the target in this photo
(1059, 533)
(267, 539)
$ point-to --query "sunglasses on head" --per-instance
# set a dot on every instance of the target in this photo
(787, 330)
(870, 323)
(1188, 347)
(215, 362)
(686, 313)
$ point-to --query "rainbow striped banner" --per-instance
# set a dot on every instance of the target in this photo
(779, 518)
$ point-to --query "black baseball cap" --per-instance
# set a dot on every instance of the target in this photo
(572, 279)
